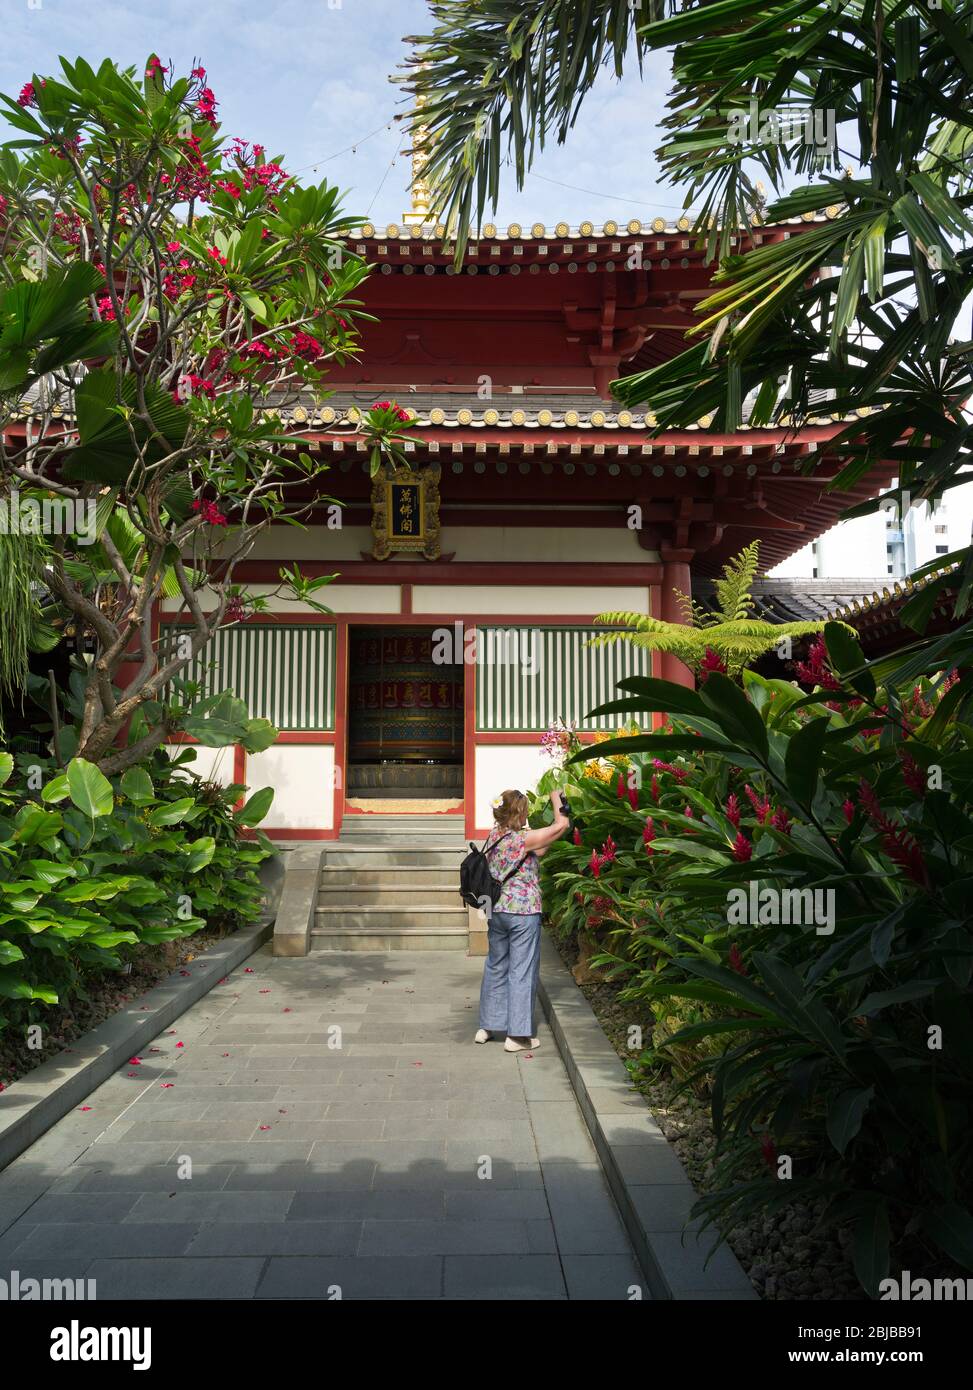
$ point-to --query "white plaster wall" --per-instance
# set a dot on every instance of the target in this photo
(212, 764)
(562, 544)
(500, 766)
(503, 544)
(517, 599)
(324, 543)
(302, 776)
(340, 598)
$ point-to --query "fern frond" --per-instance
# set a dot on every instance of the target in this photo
(687, 607)
(733, 590)
(634, 620)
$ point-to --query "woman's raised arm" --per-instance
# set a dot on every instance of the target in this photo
(547, 834)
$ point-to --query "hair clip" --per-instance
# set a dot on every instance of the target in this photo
(497, 802)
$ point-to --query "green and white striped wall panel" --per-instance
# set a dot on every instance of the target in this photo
(526, 677)
(284, 672)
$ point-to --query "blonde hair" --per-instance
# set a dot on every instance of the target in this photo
(511, 810)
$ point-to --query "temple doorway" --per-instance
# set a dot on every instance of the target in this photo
(405, 722)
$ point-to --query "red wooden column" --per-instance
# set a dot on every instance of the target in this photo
(675, 575)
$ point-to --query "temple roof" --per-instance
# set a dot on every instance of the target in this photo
(795, 600)
(541, 234)
(529, 408)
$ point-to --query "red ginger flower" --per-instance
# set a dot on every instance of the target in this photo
(901, 847)
(781, 821)
(577, 836)
(761, 805)
(742, 848)
(816, 670)
(768, 1151)
(679, 773)
(735, 960)
(912, 773)
(848, 806)
(733, 810)
(595, 863)
(620, 790)
(633, 797)
(648, 835)
(712, 661)
(655, 788)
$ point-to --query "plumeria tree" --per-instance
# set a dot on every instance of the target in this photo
(164, 291)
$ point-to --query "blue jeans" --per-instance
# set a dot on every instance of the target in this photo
(510, 974)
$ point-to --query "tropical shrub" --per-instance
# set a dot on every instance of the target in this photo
(91, 869)
(842, 1023)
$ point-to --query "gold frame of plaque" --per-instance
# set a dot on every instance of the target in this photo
(387, 539)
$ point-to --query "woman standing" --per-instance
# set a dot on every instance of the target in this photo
(510, 973)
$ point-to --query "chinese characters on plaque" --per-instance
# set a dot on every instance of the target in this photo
(405, 512)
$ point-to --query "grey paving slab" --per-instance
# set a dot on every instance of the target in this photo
(230, 1238)
(188, 1205)
(77, 1241)
(406, 1277)
(604, 1278)
(198, 1277)
(260, 1161)
(373, 1204)
(583, 1211)
(504, 1277)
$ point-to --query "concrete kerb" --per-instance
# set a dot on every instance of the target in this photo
(649, 1184)
(30, 1106)
(298, 900)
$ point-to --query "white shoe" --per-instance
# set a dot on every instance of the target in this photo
(511, 1045)
(482, 1035)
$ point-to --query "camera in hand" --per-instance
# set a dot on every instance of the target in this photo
(573, 825)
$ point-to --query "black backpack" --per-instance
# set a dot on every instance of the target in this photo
(477, 885)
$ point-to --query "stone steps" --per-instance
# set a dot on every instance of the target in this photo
(391, 883)
(388, 895)
(366, 858)
(400, 876)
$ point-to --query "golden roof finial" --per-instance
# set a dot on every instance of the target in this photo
(418, 188)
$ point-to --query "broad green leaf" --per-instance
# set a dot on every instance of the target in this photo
(845, 1115)
(89, 789)
(253, 812)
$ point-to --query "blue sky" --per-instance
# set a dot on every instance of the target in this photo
(309, 78)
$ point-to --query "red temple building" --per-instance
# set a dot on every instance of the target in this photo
(534, 504)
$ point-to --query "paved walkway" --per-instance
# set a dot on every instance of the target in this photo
(404, 1163)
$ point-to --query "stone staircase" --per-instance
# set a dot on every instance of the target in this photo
(391, 883)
